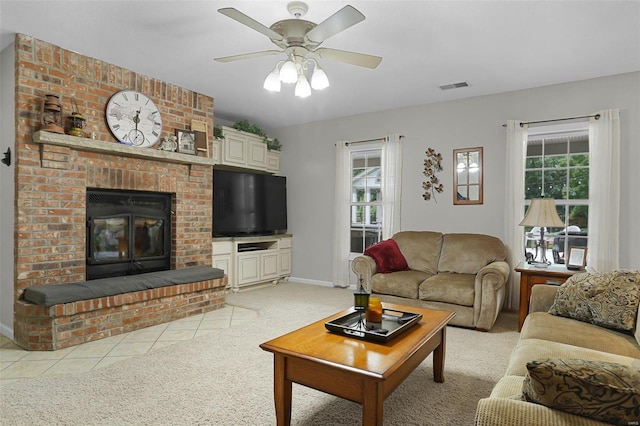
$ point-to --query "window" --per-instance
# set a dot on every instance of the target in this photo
(557, 166)
(366, 199)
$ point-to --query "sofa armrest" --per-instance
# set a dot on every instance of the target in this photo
(499, 269)
(364, 267)
(490, 288)
(542, 297)
(507, 412)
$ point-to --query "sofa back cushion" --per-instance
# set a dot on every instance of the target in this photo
(468, 253)
(421, 249)
(607, 299)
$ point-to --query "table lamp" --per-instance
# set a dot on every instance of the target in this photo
(542, 212)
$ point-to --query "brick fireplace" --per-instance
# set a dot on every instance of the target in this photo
(53, 173)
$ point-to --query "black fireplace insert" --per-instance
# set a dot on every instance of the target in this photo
(128, 232)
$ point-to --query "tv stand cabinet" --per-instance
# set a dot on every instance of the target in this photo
(252, 260)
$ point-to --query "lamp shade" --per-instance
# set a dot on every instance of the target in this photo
(272, 82)
(542, 212)
(319, 79)
(302, 88)
(289, 72)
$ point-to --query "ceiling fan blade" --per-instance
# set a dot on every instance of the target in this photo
(249, 22)
(346, 17)
(248, 56)
(353, 58)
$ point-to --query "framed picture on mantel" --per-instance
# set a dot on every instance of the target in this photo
(186, 141)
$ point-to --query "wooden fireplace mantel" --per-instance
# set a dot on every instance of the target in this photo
(85, 144)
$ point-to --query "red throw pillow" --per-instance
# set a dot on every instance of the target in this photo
(387, 256)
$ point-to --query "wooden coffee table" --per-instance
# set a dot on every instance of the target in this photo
(358, 370)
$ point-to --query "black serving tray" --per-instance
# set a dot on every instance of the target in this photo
(394, 322)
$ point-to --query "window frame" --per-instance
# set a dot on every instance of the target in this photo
(564, 205)
(368, 151)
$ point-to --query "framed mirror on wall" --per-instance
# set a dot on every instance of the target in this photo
(467, 176)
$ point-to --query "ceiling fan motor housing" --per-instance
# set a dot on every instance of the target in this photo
(293, 32)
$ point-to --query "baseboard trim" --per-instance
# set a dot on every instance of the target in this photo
(313, 282)
(6, 331)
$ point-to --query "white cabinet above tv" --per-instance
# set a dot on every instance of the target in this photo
(245, 150)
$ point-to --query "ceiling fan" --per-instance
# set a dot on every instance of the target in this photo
(300, 39)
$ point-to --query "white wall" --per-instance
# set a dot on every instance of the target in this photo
(7, 187)
(308, 160)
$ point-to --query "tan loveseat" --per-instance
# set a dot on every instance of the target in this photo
(461, 273)
(546, 336)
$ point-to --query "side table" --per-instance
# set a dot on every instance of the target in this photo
(530, 276)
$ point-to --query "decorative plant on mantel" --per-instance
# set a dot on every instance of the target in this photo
(245, 126)
(432, 164)
(217, 132)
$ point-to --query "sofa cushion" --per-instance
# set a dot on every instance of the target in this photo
(402, 283)
(544, 326)
(608, 299)
(508, 387)
(458, 289)
(54, 294)
(468, 253)
(604, 391)
(530, 349)
(421, 249)
(387, 256)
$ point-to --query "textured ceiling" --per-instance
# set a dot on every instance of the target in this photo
(495, 46)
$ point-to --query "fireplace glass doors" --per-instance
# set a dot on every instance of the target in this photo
(128, 232)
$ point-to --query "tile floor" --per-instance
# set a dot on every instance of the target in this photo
(19, 364)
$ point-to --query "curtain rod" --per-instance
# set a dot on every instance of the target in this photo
(365, 141)
(596, 116)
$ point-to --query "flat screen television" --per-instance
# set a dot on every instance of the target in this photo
(246, 203)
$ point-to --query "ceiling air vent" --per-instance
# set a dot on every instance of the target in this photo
(454, 85)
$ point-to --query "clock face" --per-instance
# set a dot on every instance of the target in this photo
(134, 119)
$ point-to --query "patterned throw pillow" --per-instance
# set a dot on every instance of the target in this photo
(599, 390)
(608, 299)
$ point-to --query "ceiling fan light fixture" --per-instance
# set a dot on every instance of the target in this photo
(302, 87)
(289, 72)
(319, 79)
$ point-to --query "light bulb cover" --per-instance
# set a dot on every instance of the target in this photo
(289, 72)
(303, 89)
(272, 82)
(319, 79)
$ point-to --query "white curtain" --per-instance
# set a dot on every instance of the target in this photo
(604, 192)
(514, 206)
(342, 230)
(391, 184)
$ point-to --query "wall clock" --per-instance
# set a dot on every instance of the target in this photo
(134, 119)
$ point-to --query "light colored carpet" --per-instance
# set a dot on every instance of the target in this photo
(226, 379)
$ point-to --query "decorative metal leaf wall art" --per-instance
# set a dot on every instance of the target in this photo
(432, 164)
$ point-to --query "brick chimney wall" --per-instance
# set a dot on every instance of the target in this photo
(51, 180)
